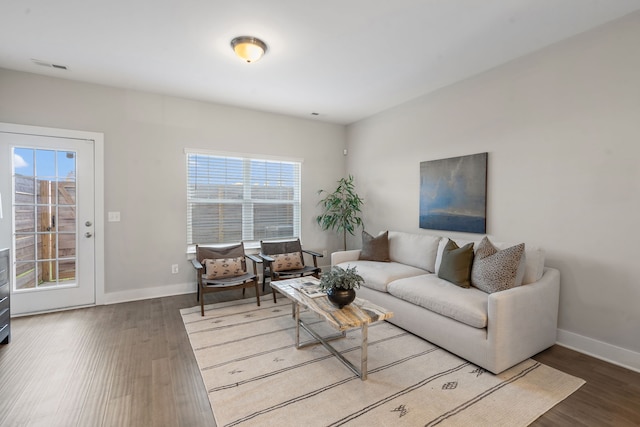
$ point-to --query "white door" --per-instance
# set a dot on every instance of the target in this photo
(51, 204)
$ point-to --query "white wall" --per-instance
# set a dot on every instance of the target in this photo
(145, 170)
(562, 128)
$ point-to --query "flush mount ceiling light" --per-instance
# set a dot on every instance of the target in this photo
(250, 49)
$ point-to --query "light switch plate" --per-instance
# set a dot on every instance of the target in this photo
(114, 216)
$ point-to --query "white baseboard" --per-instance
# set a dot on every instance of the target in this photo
(600, 350)
(148, 293)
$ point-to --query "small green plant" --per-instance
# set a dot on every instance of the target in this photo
(341, 209)
(339, 278)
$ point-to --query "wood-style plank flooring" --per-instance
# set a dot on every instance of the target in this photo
(131, 364)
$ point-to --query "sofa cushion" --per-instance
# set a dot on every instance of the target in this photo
(375, 248)
(468, 306)
(456, 264)
(534, 264)
(496, 270)
(377, 275)
(417, 250)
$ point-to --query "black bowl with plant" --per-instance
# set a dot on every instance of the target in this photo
(341, 284)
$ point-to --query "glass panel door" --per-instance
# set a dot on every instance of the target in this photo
(45, 218)
(50, 184)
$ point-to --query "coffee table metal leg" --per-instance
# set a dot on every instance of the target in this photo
(317, 339)
(362, 372)
(363, 351)
(296, 311)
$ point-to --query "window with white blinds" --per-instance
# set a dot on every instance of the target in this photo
(230, 199)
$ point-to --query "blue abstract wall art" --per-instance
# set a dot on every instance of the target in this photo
(453, 194)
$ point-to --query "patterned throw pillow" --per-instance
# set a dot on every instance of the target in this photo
(223, 267)
(286, 262)
(456, 264)
(494, 270)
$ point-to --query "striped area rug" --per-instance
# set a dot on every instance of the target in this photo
(255, 377)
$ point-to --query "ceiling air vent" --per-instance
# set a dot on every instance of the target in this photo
(48, 64)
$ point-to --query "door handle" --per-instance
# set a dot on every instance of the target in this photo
(88, 234)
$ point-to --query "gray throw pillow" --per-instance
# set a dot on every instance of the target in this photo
(456, 264)
(375, 248)
(494, 270)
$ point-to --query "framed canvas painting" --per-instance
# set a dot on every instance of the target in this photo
(453, 194)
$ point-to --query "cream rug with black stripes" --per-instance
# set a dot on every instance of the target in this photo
(255, 377)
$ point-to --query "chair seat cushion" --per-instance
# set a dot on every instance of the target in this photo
(298, 272)
(227, 281)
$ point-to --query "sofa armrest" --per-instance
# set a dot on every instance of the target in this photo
(523, 321)
(345, 256)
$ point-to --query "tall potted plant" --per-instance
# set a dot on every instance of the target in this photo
(341, 209)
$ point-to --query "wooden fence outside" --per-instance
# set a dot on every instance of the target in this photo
(45, 231)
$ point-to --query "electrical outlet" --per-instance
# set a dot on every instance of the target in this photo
(174, 269)
(324, 253)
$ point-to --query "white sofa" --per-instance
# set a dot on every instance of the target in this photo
(494, 331)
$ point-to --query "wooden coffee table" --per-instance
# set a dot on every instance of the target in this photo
(359, 314)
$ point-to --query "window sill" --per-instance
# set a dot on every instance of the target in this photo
(252, 248)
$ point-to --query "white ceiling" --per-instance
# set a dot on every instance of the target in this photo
(343, 59)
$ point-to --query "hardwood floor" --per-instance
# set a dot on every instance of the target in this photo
(119, 365)
(611, 396)
(131, 365)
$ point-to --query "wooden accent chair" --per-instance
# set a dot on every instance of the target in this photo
(285, 260)
(221, 268)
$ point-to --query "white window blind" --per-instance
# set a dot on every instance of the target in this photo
(230, 199)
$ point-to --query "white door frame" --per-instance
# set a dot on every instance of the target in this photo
(98, 162)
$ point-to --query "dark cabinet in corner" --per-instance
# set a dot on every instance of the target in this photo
(5, 311)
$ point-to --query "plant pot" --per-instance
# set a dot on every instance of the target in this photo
(341, 297)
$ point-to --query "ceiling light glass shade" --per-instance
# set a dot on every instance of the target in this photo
(250, 49)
